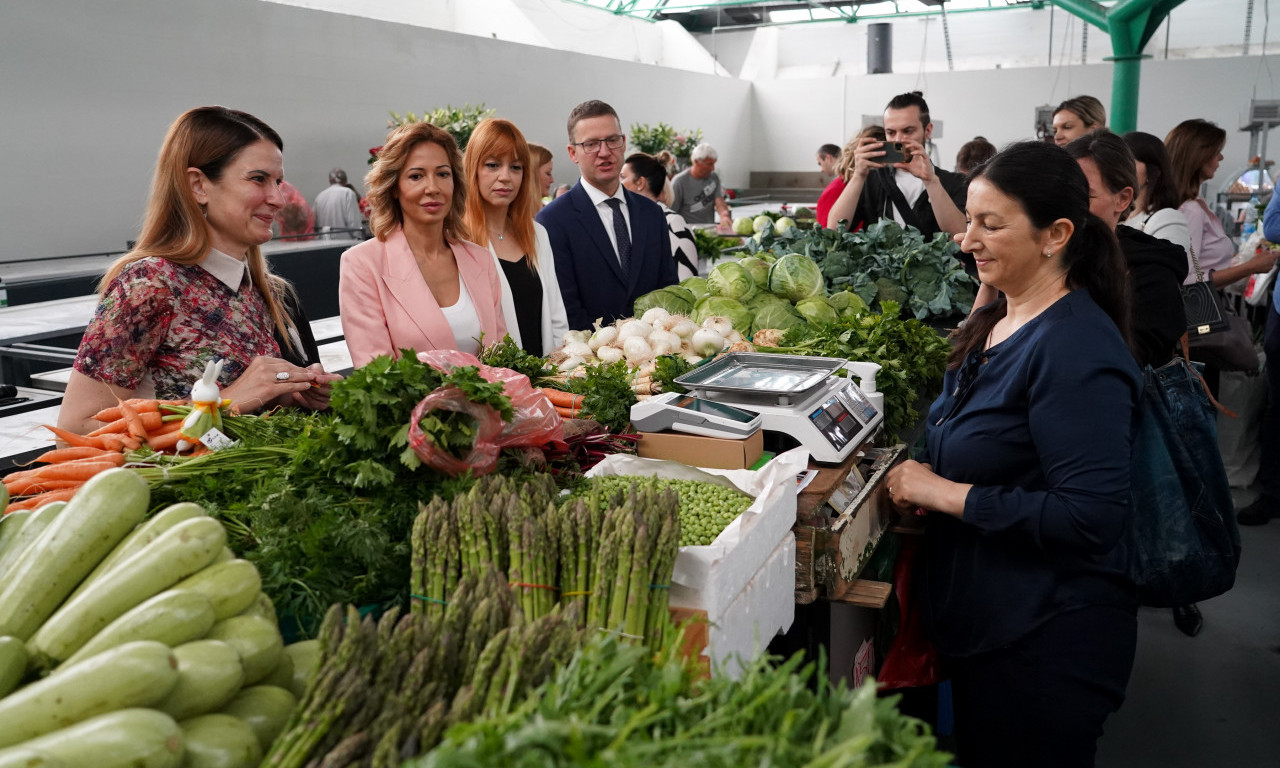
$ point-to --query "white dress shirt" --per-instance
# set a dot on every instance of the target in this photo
(598, 199)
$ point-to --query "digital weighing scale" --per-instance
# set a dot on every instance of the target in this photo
(800, 397)
(686, 413)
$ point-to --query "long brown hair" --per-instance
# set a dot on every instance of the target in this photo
(1191, 144)
(174, 227)
(383, 179)
(497, 139)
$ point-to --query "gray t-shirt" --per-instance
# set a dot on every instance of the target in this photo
(695, 199)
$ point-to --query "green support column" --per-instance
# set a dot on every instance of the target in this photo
(1130, 23)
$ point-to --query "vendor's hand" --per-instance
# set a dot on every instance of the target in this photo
(919, 166)
(316, 397)
(907, 484)
(267, 381)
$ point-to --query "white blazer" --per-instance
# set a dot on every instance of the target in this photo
(555, 323)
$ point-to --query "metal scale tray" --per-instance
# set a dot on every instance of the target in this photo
(782, 378)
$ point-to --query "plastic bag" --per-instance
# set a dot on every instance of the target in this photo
(912, 660)
(534, 423)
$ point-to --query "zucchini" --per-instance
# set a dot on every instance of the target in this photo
(141, 536)
(22, 540)
(174, 555)
(101, 513)
(225, 555)
(256, 639)
(264, 708)
(209, 674)
(172, 617)
(220, 741)
(306, 660)
(22, 757)
(4, 498)
(133, 675)
(262, 606)
(281, 675)
(127, 738)
(231, 586)
(13, 663)
(10, 525)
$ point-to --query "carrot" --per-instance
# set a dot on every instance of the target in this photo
(120, 426)
(166, 428)
(139, 404)
(568, 413)
(59, 455)
(134, 421)
(41, 486)
(164, 442)
(563, 399)
(77, 441)
(35, 502)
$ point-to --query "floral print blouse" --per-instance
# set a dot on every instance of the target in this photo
(162, 322)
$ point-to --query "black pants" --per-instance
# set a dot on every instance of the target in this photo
(1041, 702)
(1269, 433)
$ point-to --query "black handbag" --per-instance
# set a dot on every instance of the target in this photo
(1182, 544)
(1216, 335)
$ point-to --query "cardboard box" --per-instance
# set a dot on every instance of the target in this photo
(699, 451)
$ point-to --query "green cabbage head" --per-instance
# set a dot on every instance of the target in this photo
(817, 311)
(665, 298)
(698, 285)
(711, 306)
(759, 269)
(795, 277)
(731, 280)
(776, 315)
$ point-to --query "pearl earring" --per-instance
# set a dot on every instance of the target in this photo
(1048, 254)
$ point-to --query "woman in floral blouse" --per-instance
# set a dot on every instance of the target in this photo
(196, 288)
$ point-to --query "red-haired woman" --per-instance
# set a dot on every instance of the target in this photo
(502, 198)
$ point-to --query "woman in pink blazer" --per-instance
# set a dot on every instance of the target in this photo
(418, 285)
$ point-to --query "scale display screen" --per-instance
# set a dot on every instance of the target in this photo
(835, 421)
(715, 409)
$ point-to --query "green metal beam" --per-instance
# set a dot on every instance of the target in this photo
(1130, 23)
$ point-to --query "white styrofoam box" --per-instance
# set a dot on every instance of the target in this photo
(709, 578)
(765, 607)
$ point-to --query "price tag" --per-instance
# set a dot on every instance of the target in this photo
(215, 440)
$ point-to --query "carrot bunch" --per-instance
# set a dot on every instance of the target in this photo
(567, 405)
(127, 426)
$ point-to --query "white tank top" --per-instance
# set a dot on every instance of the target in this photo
(463, 320)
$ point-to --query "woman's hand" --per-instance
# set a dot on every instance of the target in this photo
(269, 381)
(912, 485)
(316, 397)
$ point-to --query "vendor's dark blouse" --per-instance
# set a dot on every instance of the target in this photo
(526, 294)
(1040, 425)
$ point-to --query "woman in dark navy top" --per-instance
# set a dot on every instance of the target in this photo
(1027, 474)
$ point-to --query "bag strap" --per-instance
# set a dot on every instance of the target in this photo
(1186, 355)
(1196, 263)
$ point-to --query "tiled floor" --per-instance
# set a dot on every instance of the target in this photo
(1212, 700)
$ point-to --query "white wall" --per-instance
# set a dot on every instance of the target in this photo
(795, 116)
(90, 87)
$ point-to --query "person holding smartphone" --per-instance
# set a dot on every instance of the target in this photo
(895, 179)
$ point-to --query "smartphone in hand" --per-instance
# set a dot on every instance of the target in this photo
(894, 153)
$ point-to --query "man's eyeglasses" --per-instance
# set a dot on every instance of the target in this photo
(592, 146)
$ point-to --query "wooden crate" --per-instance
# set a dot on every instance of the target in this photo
(831, 550)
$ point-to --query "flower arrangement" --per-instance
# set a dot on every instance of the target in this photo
(458, 121)
(653, 139)
(682, 144)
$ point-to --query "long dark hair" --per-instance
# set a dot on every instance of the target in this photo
(1150, 151)
(1192, 144)
(1049, 185)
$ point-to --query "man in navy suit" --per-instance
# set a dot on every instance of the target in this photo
(611, 245)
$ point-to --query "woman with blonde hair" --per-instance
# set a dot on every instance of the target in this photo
(542, 169)
(843, 168)
(196, 287)
(502, 198)
(1077, 116)
(418, 284)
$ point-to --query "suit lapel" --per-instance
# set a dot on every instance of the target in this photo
(589, 215)
(404, 280)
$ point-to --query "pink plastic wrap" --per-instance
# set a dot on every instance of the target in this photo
(535, 422)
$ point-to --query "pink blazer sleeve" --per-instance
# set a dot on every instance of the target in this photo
(478, 271)
(364, 324)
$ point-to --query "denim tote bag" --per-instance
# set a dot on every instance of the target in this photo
(1183, 544)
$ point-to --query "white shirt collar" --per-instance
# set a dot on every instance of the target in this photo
(598, 197)
(229, 270)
